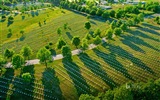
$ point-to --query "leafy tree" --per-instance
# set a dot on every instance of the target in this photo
(109, 95)
(117, 31)
(60, 43)
(84, 44)
(27, 77)
(118, 23)
(86, 97)
(88, 36)
(92, 12)
(59, 31)
(113, 25)
(123, 27)
(109, 33)
(76, 41)
(136, 20)
(141, 17)
(44, 55)
(17, 61)
(26, 51)
(105, 14)
(119, 13)
(97, 40)
(123, 94)
(97, 32)
(87, 25)
(130, 22)
(99, 12)
(112, 13)
(8, 53)
(66, 52)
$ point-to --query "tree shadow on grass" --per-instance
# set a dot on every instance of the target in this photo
(138, 41)
(74, 72)
(5, 81)
(69, 35)
(23, 17)
(96, 68)
(151, 26)
(149, 30)
(51, 85)
(139, 33)
(112, 61)
(116, 50)
(132, 46)
(9, 23)
(36, 13)
(25, 87)
(32, 13)
(53, 52)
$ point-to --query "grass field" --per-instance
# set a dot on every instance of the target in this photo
(37, 37)
(134, 56)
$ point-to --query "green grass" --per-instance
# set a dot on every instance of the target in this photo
(134, 56)
(37, 37)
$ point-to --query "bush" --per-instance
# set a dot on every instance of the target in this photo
(97, 40)
(105, 14)
(117, 31)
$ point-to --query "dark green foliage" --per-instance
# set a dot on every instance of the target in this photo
(17, 61)
(113, 25)
(97, 40)
(117, 31)
(27, 77)
(66, 52)
(92, 12)
(2, 60)
(97, 32)
(109, 33)
(87, 25)
(26, 51)
(112, 13)
(60, 43)
(8, 53)
(43, 55)
(99, 12)
(86, 97)
(124, 26)
(119, 13)
(84, 44)
(105, 14)
(76, 41)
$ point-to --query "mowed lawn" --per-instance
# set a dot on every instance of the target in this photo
(134, 56)
(38, 37)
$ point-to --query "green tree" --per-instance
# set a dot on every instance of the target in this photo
(123, 94)
(97, 32)
(66, 52)
(99, 12)
(27, 77)
(105, 14)
(43, 55)
(109, 33)
(26, 51)
(17, 61)
(84, 44)
(60, 43)
(113, 25)
(124, 26)
(8, 53)
(87, 25)
(109, 95)
(97, 40)
(112, 13)
(88, 36)
(117, 31)
(65, 26)
(59, 31)
(86, 97)
(76, 41)
(141, 17)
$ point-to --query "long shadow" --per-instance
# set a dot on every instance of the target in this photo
(23, 17)
(123, 53)
(5, 81)
(25, 87)
(51, 85)
(151, 26)
(69, 35)
(139, 33)
(132, 46)
(9, 23)
(95, 67)
(111, 60)
(74, 73)
(36, 13)
(139, 41)
(149, 30)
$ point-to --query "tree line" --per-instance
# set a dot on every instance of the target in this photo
(129, 91)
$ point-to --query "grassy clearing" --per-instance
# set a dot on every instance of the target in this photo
(134, 56)
(37, 37)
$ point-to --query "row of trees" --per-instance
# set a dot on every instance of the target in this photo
(129, 91)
